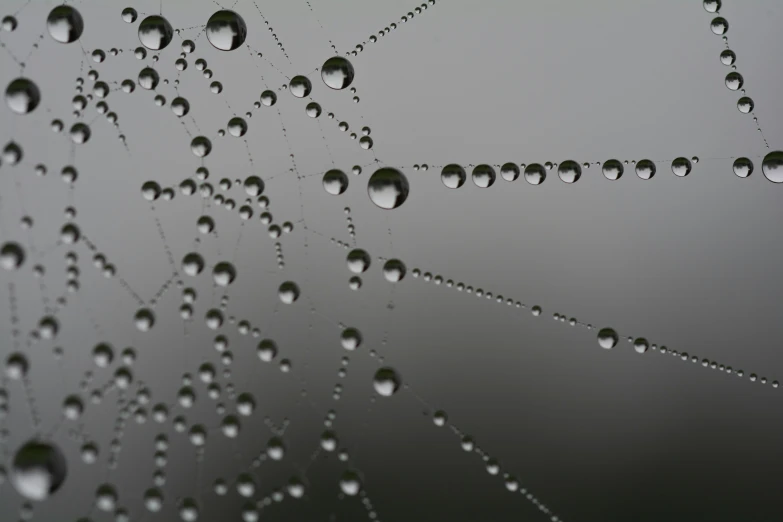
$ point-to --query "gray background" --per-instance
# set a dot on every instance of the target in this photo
(691, 263)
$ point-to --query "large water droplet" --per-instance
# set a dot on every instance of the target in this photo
(681, 167)
(719, 26)
(350, 483)
(268, 98)
(734, 81)
(288, 292)
(607, 338)
(129, 15)
(300, 86)
(728, 57)
(22, 96)
(358, 261)
(386, 381)
(201, 146)
(712, 6)
(226, 30)
(772, 166)
(39, 469)
(743, 167)
(509, 171)
(388, 188)
(65, 24)
(335, 182)
(645, 169)
(144, 319)
(453, 176)
(569, 171)
(745, 105)
(394, 270)
(483, 176)
(155, 33)
(192, 264)
(535, 174)
(237, 127)
(148, 78)
(11, 256)
(612, 169)
(224, 273)
(337, 73)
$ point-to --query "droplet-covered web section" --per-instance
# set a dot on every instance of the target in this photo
(214, 402)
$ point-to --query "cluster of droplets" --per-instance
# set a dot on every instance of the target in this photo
(734, 80)
(410, 15)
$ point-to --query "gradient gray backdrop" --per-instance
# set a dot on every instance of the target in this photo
(596, 435)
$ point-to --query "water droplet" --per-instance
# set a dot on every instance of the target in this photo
(351, 339)
(237, 127)
(645, 169)
(102, 355)
(39, 469)
(300, 86)
(11, 256)
(772, 166)
(394, 270)
(224, 273)
(9, 23)
(641, 345)
(155, 33)
(681, 167)
(226, 30)
(719, 26)
(22, 96)
(268, 98)
(509, 171)
(743, 167)
(712, 6)
(386, 381)
(201, 146)
(569, 171)
(728, 57)
(535, 174)
(313, 110)
(288, 292)
(192, 264)
(180, 106)
(153, 500)
(358, 261)
(337, 73)
(335, 182)
(734, 81)
(612, 169)
(483, 176)
(607, 338)
(148, 78)
(16, 366)
(12, 153)
(365, 142)
(350, 483)
(150, 191)
(267, 350)
(129, 15)
(65, 24)
(388, 188)
(745, 105)
(80, 133)
(144, 319)
(106, 497)
(453, 176)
